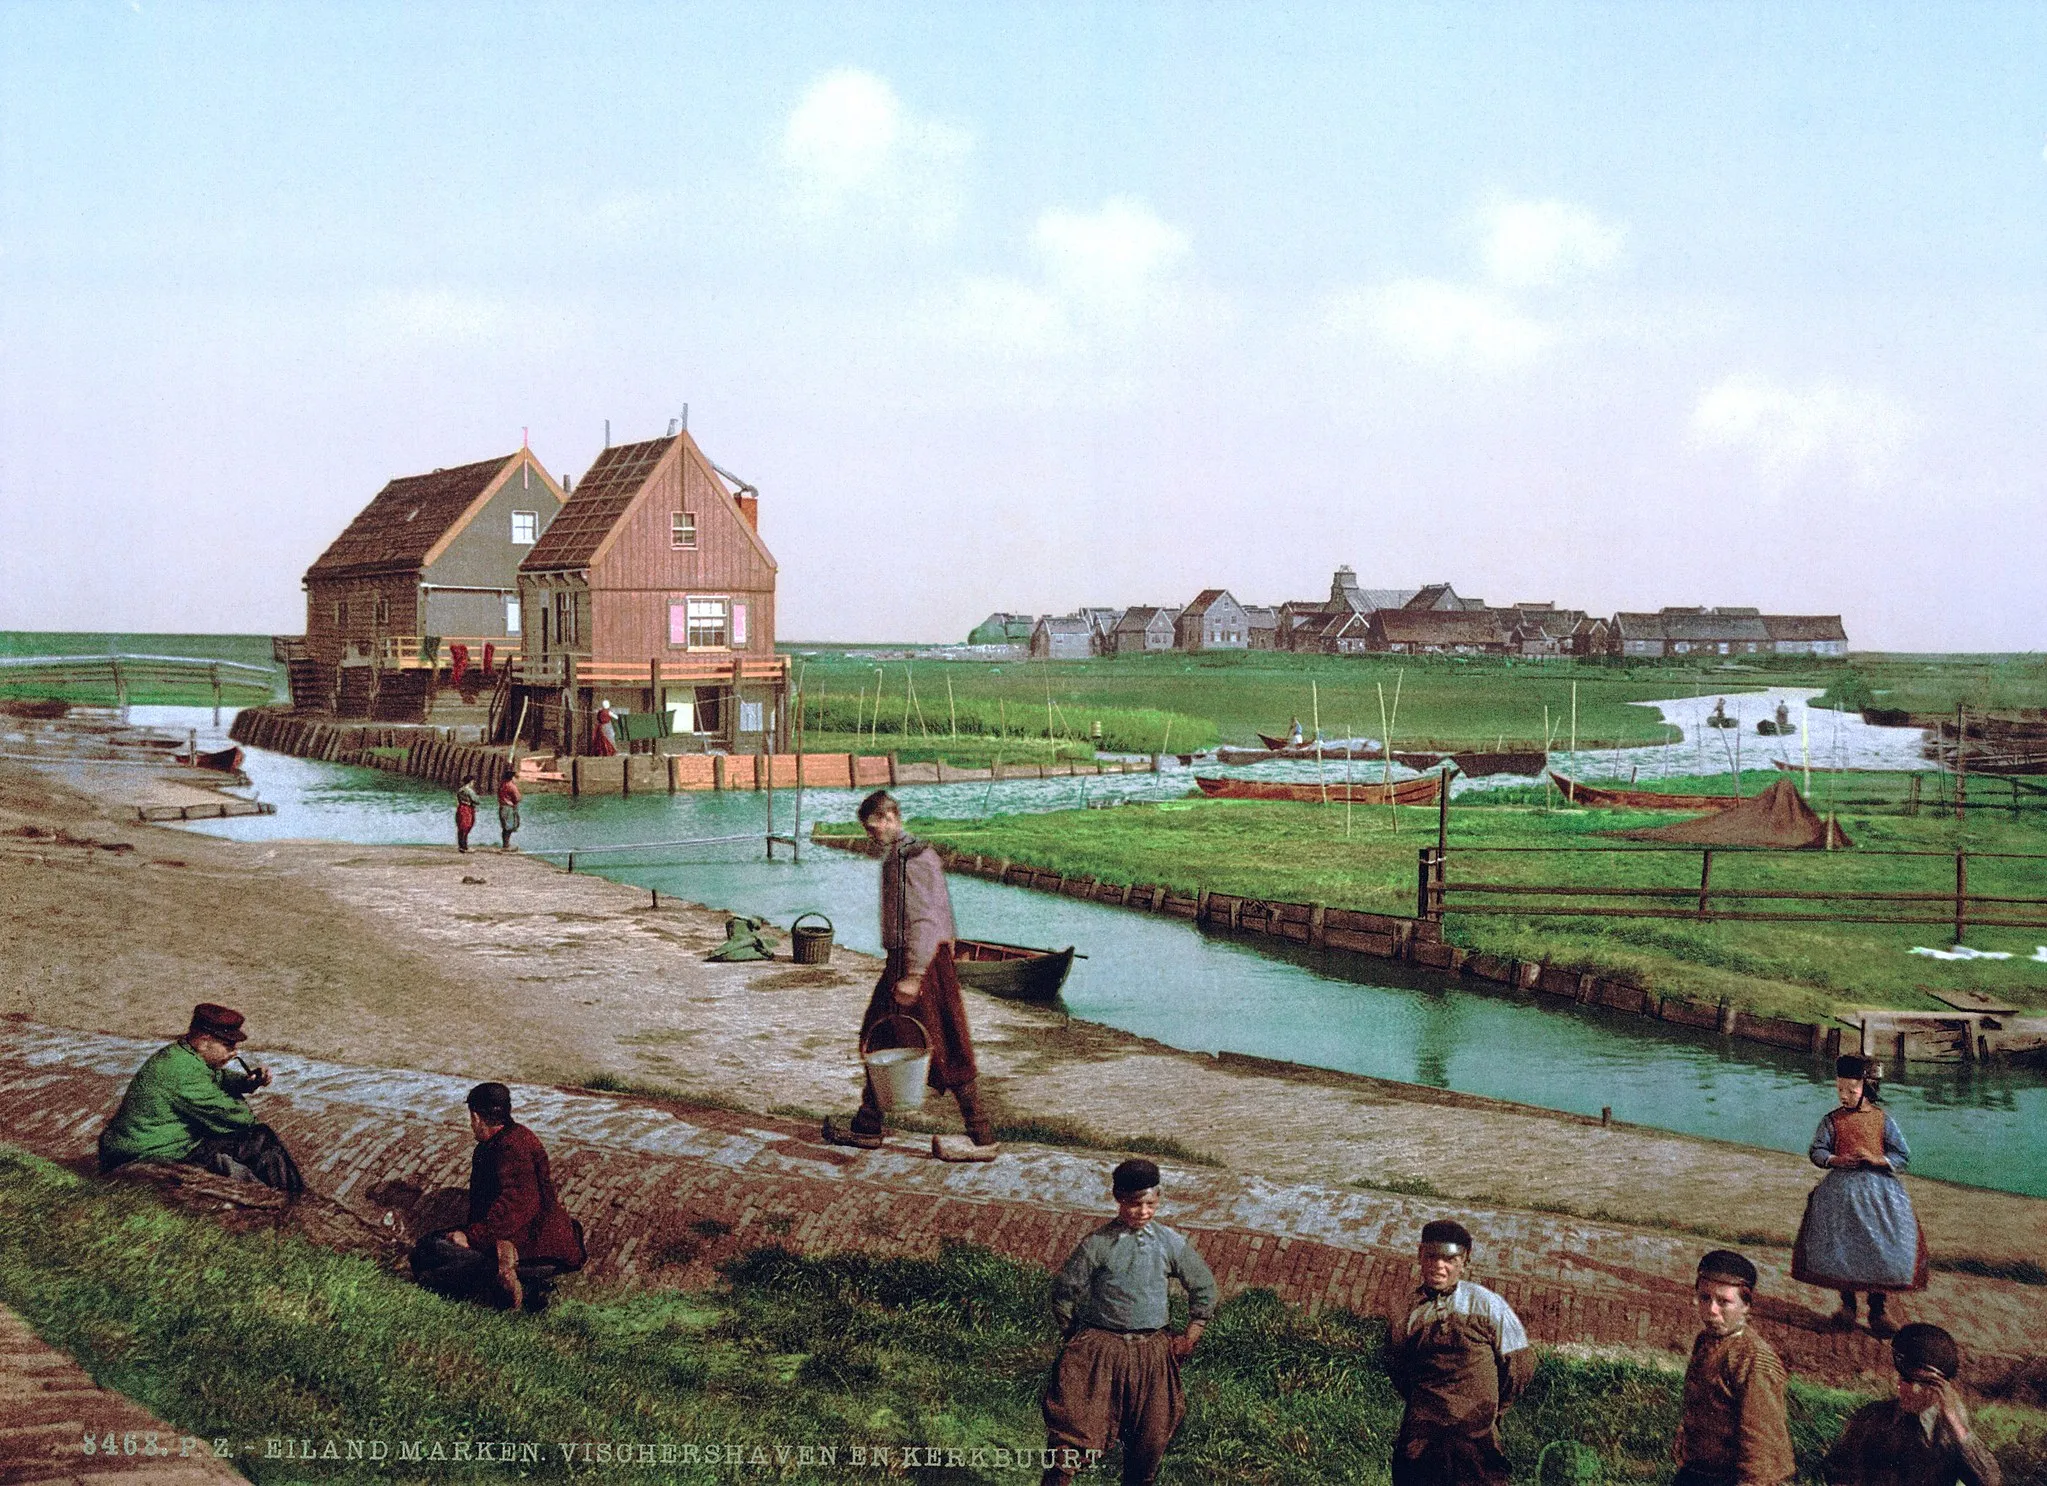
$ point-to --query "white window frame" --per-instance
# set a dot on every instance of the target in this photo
(531, 520)
(511, 614)
(716, 610)
(682, 531)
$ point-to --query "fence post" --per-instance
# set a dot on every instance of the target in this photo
(1912, 797)
(1961, 893)
(1705, 880)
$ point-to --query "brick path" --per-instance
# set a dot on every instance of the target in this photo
(643, 1175)
(49, 1408)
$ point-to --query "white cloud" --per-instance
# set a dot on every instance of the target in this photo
(1104, 278)
(1532, 244)
(1790, 430)
(851, 144)
(1119, 255)
(1442, 323)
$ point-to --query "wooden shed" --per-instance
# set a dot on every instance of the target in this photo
(653, 591)
(433, 557)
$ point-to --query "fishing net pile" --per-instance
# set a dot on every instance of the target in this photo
(1777, 817)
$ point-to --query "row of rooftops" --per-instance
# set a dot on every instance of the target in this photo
(414, 516)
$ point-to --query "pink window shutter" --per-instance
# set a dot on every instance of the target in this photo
(739, 624)
(678, 623)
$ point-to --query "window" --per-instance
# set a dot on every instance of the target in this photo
(511, 615)
(709, 628)
(751, 717)
(682, 529)
(525, 527)
(565, 618)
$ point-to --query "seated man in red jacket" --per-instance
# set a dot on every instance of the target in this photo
(519, 1235)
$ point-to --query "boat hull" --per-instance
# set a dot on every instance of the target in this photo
(1421, 791)
(1012, 972)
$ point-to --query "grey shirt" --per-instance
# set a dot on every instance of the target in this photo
(916, 909)
(1115, 1279)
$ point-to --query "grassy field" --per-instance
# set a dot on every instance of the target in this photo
(1441, 700)
(248, 650)
(255, 1337)
(1366, 858)
(967, 751)
(1935, 683)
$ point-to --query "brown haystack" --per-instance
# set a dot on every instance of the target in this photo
(1776, 817)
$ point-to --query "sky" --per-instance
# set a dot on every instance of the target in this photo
(1023, 307)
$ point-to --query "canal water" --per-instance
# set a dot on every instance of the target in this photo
(1205, 991)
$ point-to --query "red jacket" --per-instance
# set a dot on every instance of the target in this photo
(511, 1195)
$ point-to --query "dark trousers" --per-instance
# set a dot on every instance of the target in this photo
(462, 837)
(869, 1120)
(1107, 1386)
(254, 1154)
(462, 1272)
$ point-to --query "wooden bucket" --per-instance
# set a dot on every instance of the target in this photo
(808, 944)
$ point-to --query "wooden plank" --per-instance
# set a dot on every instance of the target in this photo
(1972, 1001)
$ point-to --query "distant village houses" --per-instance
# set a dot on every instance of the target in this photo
(1433, 619)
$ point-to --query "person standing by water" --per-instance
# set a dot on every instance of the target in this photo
(508, 809)
(919, 982)
(603, 731)
(1859, 1232)
(466, 801)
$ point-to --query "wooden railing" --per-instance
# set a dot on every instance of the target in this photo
(406, 653)
(551, 670)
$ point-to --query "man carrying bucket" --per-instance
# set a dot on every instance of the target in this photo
(918, 984)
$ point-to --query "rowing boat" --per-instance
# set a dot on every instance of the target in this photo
(1012, 971)
(1296, 755)
(1420, 791)
(1482, 764)
(1636, 799)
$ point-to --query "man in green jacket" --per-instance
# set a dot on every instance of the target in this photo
(184, 1104)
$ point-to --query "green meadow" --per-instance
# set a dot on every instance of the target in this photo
(252, 1338)
(1366, 858)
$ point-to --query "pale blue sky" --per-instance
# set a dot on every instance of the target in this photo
(1613, 305)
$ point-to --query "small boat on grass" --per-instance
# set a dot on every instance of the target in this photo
(1635, 799)
(1422, 791)
(1013, 972)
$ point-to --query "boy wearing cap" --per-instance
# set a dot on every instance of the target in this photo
(1920, 1438)
(184, 1104)
(1459, 1356)
(1734, 1431)
(1118, 1374)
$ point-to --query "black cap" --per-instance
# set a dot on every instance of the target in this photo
(1134, 1176)
(1447, 1233)
(1925, 1348)
(1727, 1267)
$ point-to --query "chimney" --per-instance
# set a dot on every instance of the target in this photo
(750, 508)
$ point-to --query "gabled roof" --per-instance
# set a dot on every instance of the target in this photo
(582, 533)
(1429, 595)
(1714, 626)
(413, 517)
(1064, 624)
(1261, 618)
(1143, 617)
(1438, 627)
(1367, 600)
(1804, 627)
(1205, 600)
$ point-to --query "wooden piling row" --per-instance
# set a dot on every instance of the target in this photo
(1389, 937)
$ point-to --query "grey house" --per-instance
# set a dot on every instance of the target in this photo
(1807, 634)
(1214, 621)
(1062, 637)
(1143, 628)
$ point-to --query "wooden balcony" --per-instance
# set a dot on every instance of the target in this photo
(405, 652)
(700, 668)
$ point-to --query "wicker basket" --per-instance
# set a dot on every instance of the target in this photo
(808, 944)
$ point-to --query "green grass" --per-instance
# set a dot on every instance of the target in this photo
(967, 751)
(1363, 859)
(249, 1337)
(1936, 683)
(250, 650)
(1461, 702)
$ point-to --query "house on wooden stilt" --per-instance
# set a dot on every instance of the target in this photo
(429, 565)
(653, 591)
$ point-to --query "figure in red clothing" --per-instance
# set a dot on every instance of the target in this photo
(603, 732)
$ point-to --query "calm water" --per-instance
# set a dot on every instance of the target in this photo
(1204, 991)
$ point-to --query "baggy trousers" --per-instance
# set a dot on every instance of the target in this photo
(1111, 1385)
(254, 1152)
(464, 1272)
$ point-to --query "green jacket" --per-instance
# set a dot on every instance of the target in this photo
(173, 1102)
